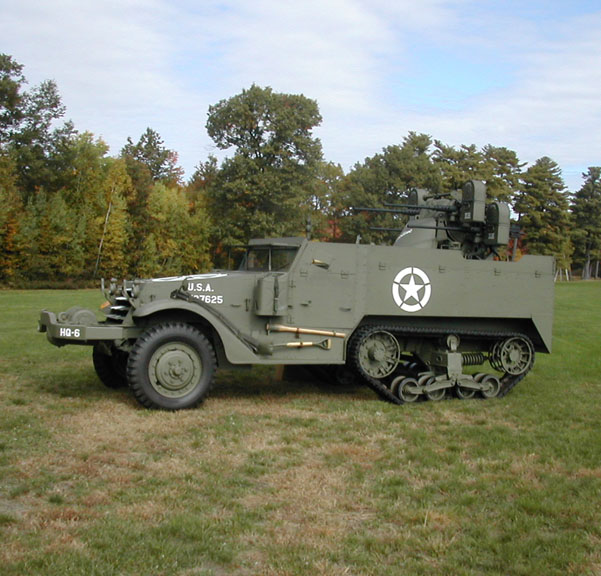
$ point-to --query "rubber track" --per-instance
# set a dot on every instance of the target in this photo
(508, 382)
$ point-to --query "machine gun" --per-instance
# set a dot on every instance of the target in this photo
(459, 220)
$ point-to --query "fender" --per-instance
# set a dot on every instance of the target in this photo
(239, 348)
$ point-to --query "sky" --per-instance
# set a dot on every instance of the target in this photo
(525, 75)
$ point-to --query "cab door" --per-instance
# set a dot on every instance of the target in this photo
(322, 286)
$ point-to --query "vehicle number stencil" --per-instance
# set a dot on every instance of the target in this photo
(69, 333)
(209, 298)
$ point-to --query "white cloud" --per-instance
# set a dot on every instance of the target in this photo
(551, 108)
(497, 76)
(341, 53)
(311, 47)
(111, 61)
(546, 101)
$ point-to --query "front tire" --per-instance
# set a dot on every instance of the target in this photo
(110, 366)
(171, 367)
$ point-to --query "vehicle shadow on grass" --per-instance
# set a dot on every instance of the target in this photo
(266, 382)
(64, 382)
(270, 382)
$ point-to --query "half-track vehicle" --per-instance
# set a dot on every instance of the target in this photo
(438, 313)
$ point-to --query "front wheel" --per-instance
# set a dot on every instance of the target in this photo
(171, 366)
(110, 365)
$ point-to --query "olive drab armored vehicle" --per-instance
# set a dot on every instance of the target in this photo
(437, 314)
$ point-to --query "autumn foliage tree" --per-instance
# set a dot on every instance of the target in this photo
(11, 210)
(71, 212)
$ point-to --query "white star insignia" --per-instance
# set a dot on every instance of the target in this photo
(412, 289)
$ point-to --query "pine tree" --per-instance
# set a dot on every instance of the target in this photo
(501, 171)
(499, 167)
(542, 206)
(385, 178)
(458, 165)
(586, 213)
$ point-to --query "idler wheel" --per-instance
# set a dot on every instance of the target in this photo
(514, 356)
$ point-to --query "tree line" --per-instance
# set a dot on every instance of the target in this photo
(71, 213)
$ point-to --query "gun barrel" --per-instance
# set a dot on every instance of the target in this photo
(449, 209)
(420, 226)
(407, 209)
(385, 210)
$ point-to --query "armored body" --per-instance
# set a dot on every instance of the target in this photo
(439, 312)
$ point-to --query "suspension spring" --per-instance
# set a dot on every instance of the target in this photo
(473, 358)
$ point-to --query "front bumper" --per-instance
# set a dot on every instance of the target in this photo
(63, 333)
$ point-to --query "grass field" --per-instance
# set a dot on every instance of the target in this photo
(270, 477)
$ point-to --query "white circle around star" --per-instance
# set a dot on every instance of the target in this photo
(411, 289)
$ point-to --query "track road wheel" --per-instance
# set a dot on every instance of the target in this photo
(492, 386)
(111, 367)
(434, 395)
(171, 366)
(464, 393)
(406, 389)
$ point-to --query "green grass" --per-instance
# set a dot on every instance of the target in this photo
(273, 477)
